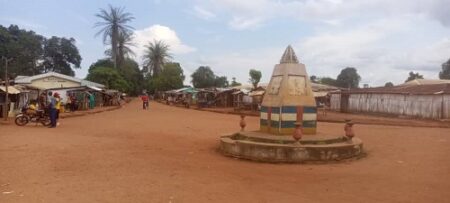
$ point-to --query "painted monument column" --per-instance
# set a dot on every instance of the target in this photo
(288, 99)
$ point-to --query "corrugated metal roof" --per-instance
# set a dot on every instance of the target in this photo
(28, 80)
(11, 89)
(443, 88)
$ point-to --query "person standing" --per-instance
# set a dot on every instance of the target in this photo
(52, 109)
(57, 106)
(91, 101)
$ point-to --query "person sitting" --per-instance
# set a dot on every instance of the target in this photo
(32, 109)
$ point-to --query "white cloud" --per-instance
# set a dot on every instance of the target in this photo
(250, 14)
(241, 23)
(384, 50)
(203, 13)
(159, 32)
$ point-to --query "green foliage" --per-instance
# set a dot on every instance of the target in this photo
(171, 77)
(327, 81)
(221, 81)
(348, 78)
(234, 83)
(24, 47)
(110, 77)
(33, 54)
(255, 77)
(132, 74)
(389, 84)
(313, 78)
(445, 73)
(155, 56)
(113, 26)
(203, 77)
(413, 76)
(101, 63)
(129, 72)
(124, 51)
(61, 55)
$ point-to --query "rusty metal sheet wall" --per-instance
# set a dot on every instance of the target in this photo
(423, 106)
(335, 102)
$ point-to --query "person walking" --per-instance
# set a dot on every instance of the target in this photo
(52, 109)
(145, 101)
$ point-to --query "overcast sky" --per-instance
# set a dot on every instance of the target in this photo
(383, 39)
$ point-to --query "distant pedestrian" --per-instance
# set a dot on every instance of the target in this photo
(145, 99)
(52, 109)
(91, 101)
(57, 106)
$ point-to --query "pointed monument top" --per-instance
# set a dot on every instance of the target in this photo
(289, 56)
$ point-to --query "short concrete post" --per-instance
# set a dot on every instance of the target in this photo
(242, 123)
(348, 128)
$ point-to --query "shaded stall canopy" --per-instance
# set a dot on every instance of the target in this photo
(182, 95)
(322, 92)
(416, 100)
(11, 90)
(81, 95)
(206, 97)
(224, 97)
(17, 99)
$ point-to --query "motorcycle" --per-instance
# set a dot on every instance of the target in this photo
(25, 117)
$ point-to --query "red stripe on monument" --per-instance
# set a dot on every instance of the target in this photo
(299, 113)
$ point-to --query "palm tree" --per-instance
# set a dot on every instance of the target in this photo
(155, 56)
(113, 24)
(124, 45)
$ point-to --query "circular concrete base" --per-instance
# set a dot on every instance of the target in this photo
(273, 148)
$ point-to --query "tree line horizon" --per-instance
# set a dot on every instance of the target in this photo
(35, 54)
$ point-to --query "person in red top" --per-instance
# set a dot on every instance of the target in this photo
(145, 101)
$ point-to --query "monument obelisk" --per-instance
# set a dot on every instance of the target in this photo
(288, 99)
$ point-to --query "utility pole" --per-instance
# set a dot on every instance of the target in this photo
(6, 109)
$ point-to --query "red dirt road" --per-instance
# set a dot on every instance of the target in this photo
(169, 154)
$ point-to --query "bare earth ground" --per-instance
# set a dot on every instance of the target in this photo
(169, 154)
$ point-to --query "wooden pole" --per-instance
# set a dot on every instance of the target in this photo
(6, 109)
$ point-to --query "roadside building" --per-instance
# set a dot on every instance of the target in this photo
(419, 98)
(54, 80)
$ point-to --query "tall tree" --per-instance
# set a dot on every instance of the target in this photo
(171, 77)
(221, 81)
(327, 81)
(313, 78)
(129, 71)
(413, 76)
(113, 25)
(348, 78)
(24, 47)
(255, 77)
(108, 76)
(445, 73)
(61, 55)
(124, 50)
(203, 77)
(155, 56)
(389, 84)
